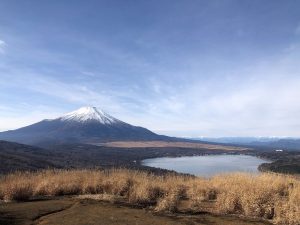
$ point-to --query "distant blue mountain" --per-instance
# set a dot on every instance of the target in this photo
(288, 143)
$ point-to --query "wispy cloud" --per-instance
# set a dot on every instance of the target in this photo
(87, 73)
(196, 70)
(46, 85)
(2, 46)
(15, 117)
(263, 102)
(258, 101)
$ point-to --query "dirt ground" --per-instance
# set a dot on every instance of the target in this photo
(68, 211)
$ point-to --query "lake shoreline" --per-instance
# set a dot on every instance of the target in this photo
(208, 165)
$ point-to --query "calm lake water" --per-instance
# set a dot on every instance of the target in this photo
(208, 165)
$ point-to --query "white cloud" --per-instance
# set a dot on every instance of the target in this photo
(70, 93)
(25, 114)
(259, 100)
(75, 93)
(2, 46)
(87, 73)
(262, 100)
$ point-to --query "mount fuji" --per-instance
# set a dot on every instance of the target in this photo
(85, 125)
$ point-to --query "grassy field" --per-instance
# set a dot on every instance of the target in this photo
(172, 144)
(267, 196)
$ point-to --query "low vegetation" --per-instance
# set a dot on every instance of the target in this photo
(18, 157)
(268, 196)
(172, 144)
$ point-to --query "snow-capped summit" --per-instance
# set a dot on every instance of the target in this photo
(89, 114)
(85, 125)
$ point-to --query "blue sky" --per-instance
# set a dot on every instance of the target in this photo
(183, 68)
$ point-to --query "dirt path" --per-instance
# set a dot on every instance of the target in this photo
(88, 212)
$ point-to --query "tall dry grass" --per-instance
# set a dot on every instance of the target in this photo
(269, 196)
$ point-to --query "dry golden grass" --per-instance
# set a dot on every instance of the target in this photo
(268, 196)
(165, 144)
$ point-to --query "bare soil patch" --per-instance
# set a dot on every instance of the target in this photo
(68, 211)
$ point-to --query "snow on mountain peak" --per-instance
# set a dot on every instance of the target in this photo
(86, 114)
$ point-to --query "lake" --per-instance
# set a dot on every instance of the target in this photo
(207, 165)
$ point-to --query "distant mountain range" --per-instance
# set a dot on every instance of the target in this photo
(90, 125)
(85, 125)
(238, 140)
(289, 143)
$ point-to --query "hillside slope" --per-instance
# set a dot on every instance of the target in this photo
(85, 125)
(14, 156)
